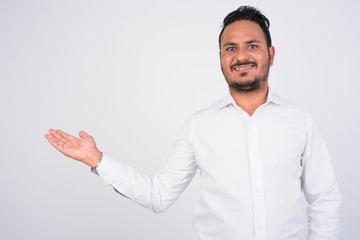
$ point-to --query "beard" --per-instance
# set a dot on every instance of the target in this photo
(247, 85)
(251, 85)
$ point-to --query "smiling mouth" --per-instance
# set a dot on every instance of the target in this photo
(243, 68)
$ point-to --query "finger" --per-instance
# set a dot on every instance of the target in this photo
(55, 143)
(52, 131)
(83, 134)
(48, 136)
(55, 134)
(52, 139)
(65, 135)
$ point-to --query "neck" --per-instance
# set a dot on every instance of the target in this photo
(250, 101)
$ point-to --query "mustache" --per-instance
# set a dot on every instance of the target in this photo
(240, 63)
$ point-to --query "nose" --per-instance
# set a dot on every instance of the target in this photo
(241, 55)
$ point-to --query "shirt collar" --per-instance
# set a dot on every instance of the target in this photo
(272, 97)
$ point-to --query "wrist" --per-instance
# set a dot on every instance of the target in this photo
(95, 159)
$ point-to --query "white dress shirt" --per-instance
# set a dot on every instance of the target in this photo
(255, 171)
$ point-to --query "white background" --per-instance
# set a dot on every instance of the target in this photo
(130, 73)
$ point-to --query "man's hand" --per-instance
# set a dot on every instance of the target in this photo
(82, 149)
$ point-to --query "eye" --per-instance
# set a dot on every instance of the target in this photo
(230, 49)
(252, 46)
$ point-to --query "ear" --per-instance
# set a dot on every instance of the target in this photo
(271, 54)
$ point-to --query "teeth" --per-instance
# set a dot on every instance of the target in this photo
(241, 68)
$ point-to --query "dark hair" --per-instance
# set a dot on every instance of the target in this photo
(251, 14)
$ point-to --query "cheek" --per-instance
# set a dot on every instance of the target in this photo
(262, 58)
(226, 61)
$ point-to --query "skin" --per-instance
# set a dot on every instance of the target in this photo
(82, 149)
(245, 60)
(242, 41)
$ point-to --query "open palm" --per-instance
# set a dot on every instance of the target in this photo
(83, 149)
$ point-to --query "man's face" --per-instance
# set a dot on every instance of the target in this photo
(245, 57)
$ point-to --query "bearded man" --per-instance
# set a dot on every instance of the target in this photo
(258, 155)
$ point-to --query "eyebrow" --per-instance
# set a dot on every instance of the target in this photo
(247, 42)
(229, 44)
(253, 41)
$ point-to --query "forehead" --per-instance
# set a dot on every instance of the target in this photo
(242, 31)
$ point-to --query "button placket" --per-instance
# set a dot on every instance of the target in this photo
(256, 178)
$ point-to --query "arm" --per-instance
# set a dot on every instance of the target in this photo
(157, 193)
(320, 187)
(163, 189)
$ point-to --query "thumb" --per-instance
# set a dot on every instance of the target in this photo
(83, 134)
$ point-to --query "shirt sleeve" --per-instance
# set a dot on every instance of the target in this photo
(161, 191)
(320, 187)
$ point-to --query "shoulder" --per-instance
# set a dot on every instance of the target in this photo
(291, 107)
(199, 116)
(293, 112)
(210, 110)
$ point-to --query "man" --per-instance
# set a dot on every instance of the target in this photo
(257, 154)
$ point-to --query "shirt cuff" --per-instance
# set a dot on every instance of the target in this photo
(114, 173)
